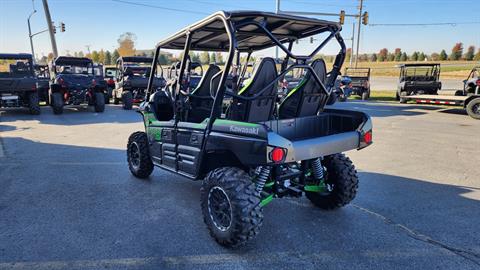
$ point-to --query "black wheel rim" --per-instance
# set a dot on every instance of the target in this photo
(134, 155)
(476, 109)
(219, 208)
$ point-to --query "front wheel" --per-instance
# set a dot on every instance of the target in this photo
(341, 180)
(57, 103)
(99, 102)
(231, 206)
(473, 108)
(33, 103)
(127, 99)
(138, 155)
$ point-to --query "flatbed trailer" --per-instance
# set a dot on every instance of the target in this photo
(469, 102)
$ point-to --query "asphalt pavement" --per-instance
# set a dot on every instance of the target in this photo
(68, 201)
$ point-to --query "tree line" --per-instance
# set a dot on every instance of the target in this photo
(457, 53)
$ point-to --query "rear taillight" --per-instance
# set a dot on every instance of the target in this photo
(111, 81)
(94, 82)
(478, 82)
(277, 155)
(366, 139)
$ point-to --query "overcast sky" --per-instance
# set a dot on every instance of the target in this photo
(98, 23)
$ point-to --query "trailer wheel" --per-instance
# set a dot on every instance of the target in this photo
(99, 102)
(138, 155)
(57, 103)
(33, 103)
(342, 180)
(127, 99)
(231, 206)
(403, 100)
(473, 108)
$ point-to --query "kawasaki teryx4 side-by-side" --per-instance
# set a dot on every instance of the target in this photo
(73, 82)
(133, 73)
(258, 147)
(18, 83)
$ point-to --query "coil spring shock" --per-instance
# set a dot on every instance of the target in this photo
(317, 169)
(262, 177)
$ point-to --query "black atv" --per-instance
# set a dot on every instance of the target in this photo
(256, 149)
(43, 82)
(132, 74)
(73, 82)
(18, 84)
(418, 79)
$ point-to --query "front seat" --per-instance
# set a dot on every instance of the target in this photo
(261, 108)
(305, 98)
(201, 101)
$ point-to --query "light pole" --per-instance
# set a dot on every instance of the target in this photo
(360, 8)
(30, 33)
(51, 29)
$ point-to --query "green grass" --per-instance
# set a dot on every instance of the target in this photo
(381, 95)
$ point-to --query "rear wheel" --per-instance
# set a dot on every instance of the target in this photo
(473, 108)
(33, 103)
(56, 101)
(366, 94)
(403, 100)
(99, 102)
(231, 206)
(341, 180)
(138, 155)
(127, 99)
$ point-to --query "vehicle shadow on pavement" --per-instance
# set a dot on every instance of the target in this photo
(73, 115)
(386, 109)
(81, 204)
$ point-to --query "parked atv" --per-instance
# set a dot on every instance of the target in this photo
(132, 80)
(73, 82)
(360, 81)
(256, 149)
(18, 84)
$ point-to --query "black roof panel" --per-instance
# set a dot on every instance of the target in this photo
(210, 34)
(68, 60)
(137, 59)
(13, 56)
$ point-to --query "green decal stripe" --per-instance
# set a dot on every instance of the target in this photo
(266, 200)
(269, 184)
(313, 188)
(245, 87)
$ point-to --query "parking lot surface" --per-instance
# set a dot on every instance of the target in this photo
(68, 201)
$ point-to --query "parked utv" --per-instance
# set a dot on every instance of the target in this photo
(18, 84)
(43, 82)
(73, 82)
(132, 79)
(418, 79)
(256, 149)
(360, 81)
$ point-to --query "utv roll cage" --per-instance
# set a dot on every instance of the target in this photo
(245, 32)
(19, 56)
(433, 69)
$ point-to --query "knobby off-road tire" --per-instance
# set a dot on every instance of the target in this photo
(138, 155)
(473, 108)
(57, 103)
(342, 176)
(99, 102)
(401, 99)
(365, 95)
(33, 103)
(232, 191)
(127, 99)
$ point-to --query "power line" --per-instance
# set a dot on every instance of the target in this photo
(158, 7)
(423, 24)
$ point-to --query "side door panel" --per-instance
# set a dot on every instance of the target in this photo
(190, 137)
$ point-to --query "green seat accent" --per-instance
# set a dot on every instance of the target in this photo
(248, 82)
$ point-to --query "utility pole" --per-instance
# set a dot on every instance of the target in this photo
(30, 33)
(353, 42)
(360, 9)
(277, 10)
(50, 28)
